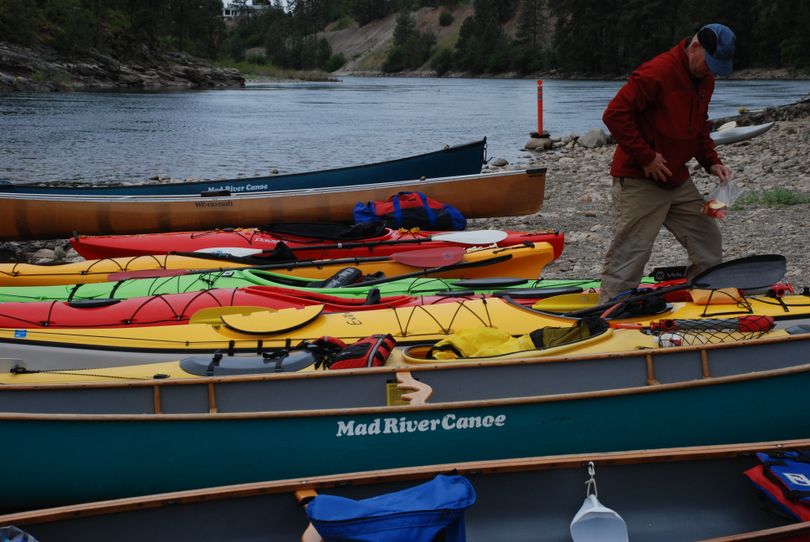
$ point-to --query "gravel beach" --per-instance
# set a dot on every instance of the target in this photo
(578, 202)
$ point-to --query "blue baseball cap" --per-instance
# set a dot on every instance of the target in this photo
(718, 41)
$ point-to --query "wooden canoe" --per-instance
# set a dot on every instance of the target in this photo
(683, 493)
(38, 216)
(465, 159)
(134, 438)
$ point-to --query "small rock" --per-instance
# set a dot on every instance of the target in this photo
(499, 162)
(43, 255)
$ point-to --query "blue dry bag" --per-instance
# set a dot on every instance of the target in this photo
(416, 514)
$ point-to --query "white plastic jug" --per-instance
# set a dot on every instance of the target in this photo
(597, 523)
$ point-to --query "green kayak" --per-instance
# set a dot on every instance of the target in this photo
(237, 278)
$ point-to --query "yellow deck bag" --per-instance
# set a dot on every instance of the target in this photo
(488, 341)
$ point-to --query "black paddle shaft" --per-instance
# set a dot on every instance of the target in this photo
(440, 269)
(746, 273)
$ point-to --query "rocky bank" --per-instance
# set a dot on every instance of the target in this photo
(41, 68)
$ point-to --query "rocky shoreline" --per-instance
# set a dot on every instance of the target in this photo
(42, 69)
(577, 201)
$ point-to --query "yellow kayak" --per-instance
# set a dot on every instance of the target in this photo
(518, 261)
(262, 331)
(609, 342)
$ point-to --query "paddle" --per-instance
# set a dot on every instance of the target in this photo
(432, 257)
(463, 265)
(472, 237)
(743, 273)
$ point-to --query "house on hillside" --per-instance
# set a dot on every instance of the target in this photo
(233, 9)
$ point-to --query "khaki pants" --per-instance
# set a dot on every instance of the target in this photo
(642, 207)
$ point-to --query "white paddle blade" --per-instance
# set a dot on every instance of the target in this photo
(230, 251)
(472, 237)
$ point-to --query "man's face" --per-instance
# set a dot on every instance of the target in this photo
(697, 61)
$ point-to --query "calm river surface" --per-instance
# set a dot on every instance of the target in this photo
(106, 136)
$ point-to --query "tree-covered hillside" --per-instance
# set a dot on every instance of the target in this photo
(582, 37)
(122, 27)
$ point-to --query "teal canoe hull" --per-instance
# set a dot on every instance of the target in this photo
(465, 159)
(53, 459)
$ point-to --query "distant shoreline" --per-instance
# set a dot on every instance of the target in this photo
(748, 74)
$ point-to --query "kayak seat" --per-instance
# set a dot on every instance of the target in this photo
(373, 297)
(538, 293)
(344, 277)
(92, 303)
(327, 230)
(281, 361)
(798, 330)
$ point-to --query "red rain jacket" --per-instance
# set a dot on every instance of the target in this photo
(662, 109)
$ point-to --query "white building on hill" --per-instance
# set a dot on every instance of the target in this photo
(232, 9)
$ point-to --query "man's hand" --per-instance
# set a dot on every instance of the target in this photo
(657, 169)
(719, 170)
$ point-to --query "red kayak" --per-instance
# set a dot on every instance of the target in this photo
(173, 309)
(241, 241)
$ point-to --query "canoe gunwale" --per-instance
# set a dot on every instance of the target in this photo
(653, 387)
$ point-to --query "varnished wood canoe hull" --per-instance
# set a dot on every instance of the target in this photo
(32, 216)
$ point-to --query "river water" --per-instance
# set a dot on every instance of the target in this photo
(131, 136)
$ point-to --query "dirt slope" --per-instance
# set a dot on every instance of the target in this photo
(365, 48)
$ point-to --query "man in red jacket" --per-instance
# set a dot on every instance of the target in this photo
(659, 120)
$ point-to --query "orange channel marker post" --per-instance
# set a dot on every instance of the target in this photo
(540, 107)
